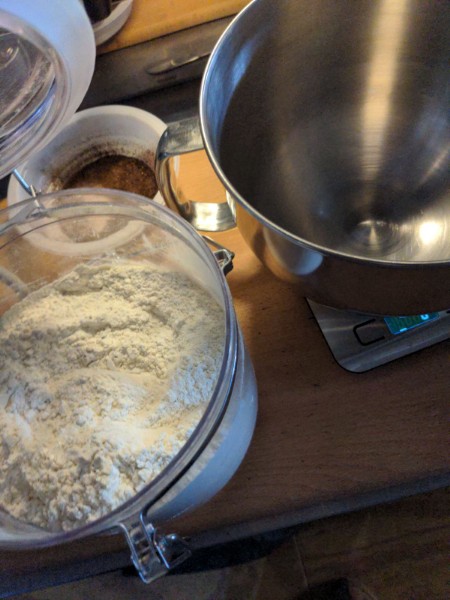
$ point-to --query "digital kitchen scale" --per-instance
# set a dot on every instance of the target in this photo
(360, 342)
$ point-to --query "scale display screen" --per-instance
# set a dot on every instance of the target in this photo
(401, 324)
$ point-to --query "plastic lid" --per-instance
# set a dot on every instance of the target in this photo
(47, 57)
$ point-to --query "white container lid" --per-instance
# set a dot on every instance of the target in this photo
(104, 30)
(47, 58)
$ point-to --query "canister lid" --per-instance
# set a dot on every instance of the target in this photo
(47, 57)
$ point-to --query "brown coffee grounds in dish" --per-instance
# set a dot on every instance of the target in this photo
(117, 172)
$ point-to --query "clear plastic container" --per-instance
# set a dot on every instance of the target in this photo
(42, 239)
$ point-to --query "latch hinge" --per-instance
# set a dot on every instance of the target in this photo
(154, 554)
(223, 255)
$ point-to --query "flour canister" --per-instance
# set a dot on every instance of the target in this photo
(45, 72)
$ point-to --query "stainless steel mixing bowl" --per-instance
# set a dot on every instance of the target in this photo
(328, 124)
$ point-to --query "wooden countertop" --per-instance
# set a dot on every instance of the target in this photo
(150, 19)
(324, 437)
(326, 441)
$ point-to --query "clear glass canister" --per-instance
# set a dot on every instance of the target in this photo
(44, 238)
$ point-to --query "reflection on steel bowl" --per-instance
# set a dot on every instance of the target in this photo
(327, 122)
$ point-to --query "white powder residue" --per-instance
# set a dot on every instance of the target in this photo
(104, 375)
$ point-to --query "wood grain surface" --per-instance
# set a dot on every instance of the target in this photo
(323, 435)
(150, 19)
(326, 441)
(391, 552)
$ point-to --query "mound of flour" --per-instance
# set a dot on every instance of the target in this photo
(103, 376)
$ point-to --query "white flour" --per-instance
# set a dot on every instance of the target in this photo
(104, 374)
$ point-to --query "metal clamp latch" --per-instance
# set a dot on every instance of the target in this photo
(223, 255)
(33, 210)
(154, 554)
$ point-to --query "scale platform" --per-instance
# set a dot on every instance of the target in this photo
(359, 342)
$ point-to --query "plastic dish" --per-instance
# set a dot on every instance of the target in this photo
(89, 134)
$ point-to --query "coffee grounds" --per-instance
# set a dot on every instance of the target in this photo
(116, 172)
